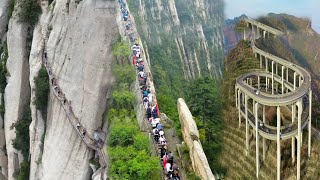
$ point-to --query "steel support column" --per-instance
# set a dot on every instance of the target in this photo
(294, 80)
(257, 140)
(267, 68)
(247, 128)
(272, 80)
(293, 143)
(239, 106)
(299, 139)
(278, 143)
(264, 139)
(309, 123)
(282, 79)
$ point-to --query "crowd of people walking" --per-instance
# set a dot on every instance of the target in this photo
(149, 98)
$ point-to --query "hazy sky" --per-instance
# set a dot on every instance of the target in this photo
(254, 8)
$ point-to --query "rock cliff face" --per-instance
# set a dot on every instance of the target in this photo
(3, 17)
(187, 32)
(191, 137)
(79, 40)
(17, 92)
(231, 37)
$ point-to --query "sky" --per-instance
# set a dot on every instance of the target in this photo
(255, 8)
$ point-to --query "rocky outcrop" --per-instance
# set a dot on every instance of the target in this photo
(79, 50)
(17, 92)
(191, 136)
(231, 36)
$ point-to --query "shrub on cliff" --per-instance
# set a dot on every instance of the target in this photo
(41, 90)
(21, 142)
(11, 4)
(204, 100)
(129, 152)
(3, 68)
(23, 172)
(121, 50)
(29, 12)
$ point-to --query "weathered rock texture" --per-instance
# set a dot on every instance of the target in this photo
(17, 92)
(3, 18)
(79, 50)
(191, 137)
(188, 32)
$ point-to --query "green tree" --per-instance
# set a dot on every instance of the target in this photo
(128, 149)
(3, 68)
(29, 12)
(204, 100)
(121, 50)
(23, 173)
(21, 142)
(122, 134)
(42, 90)
(11, 4)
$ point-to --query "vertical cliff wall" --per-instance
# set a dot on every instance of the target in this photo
(79, 36)
(188, 33)
(17, 92)
(79, 49)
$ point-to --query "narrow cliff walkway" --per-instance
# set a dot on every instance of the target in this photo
(95, 144)
(149, 99)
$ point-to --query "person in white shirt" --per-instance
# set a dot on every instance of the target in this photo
(156, 120)
(161, 133)
(153, 124)
(150, 97)
(141, 74)
(162, 140)
(168, 167)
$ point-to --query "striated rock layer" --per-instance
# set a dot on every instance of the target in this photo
(3, 18)
(191, 136)
(17, 92)
(79, 50)
(188, 32)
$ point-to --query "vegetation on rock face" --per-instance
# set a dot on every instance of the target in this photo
(29, 12)
(11, 8)
(167, 61)
(42, 90)
(121, 51)
(204, 100)
(21, 142)
(3, 74)
(128, 149)
(23, 172)
(3, 68)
